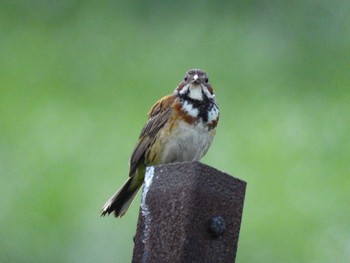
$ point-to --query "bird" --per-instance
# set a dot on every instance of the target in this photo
(180, 127)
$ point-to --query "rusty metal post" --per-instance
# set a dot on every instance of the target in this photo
(190, 212)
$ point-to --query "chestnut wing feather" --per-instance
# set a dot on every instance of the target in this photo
(158, 116)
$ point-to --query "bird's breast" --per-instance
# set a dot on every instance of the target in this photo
(182, 141)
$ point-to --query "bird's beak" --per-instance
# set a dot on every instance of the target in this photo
(195, 79)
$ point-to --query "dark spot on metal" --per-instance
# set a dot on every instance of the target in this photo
(217, 226)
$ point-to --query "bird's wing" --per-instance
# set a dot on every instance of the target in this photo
(157, 117)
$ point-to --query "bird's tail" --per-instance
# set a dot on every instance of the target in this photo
(121, 200)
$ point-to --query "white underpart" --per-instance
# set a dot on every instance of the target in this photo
(213, 114)
(188, 108)
(145, 210)
(188, 143)
(195, 93)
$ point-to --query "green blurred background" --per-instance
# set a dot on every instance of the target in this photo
(77, 78)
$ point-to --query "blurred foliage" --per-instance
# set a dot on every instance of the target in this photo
(77, 78)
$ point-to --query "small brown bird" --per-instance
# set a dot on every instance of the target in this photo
(180, 127)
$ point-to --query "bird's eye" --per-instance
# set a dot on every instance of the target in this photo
(186, 78)
(206, 80)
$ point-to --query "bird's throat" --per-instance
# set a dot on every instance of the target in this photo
(195, 93)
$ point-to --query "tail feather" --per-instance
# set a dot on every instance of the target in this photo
(121, 200)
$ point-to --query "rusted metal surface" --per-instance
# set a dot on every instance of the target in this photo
(190, 212)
